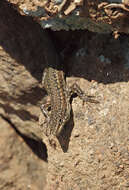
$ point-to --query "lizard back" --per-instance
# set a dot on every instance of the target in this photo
(55, 85)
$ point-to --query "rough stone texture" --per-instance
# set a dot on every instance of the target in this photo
(21, 68)
(23, 156)
(94, 150)
(19, 167)
(78, 14)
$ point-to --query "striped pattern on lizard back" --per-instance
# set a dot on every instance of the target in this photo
(55, 85)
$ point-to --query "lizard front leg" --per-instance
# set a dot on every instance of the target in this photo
(75, 89)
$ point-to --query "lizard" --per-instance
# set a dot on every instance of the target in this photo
(55, 84)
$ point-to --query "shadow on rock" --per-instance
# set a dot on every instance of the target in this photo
(34, 142)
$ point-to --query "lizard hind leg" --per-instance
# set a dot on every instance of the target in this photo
(45, 109)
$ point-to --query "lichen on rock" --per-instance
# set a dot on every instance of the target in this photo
(97, 16)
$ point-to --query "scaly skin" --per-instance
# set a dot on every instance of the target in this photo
(55, 85)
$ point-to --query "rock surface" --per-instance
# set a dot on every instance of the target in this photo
(19, 167)
(97, 16)
(23, 156)
(95, 153)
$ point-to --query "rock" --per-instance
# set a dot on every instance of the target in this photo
(23, 155)
(96, 16)
(93, 152)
